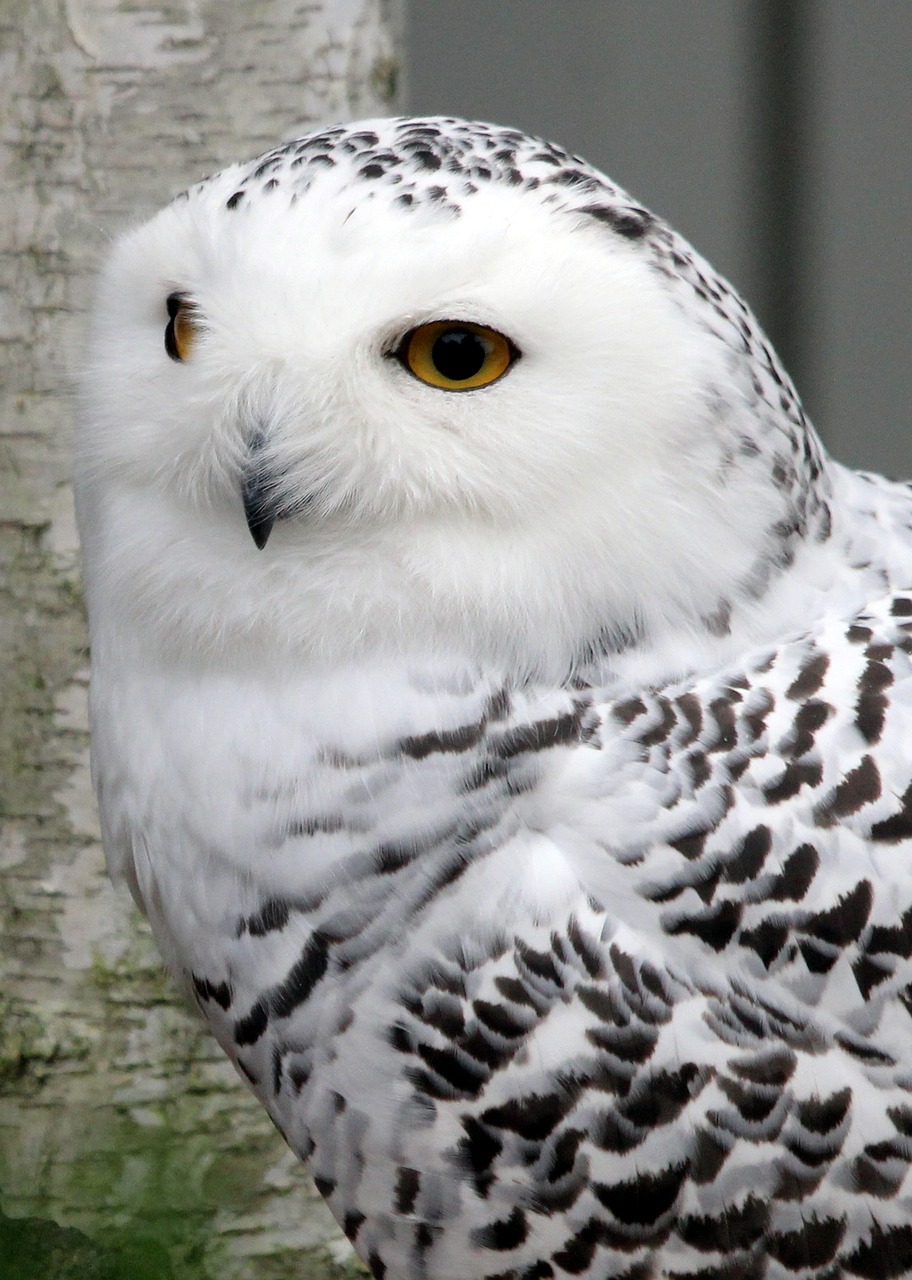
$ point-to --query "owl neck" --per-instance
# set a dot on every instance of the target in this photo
(570, 596)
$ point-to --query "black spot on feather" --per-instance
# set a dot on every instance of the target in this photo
(644, 1198)
(766, 938)
(809, 679)
(737, 1227)
(303, 976)
(462, 1073)
(843, 922)
(206, 990)
(632, 223)
(690, 846)
(773, 1068)
(445, 741)
(795, 775)
(248, 1030)
(748, 857)
(408, 1184)
(628, 711)
(893, 939)
(899, 825)
(716, 926)
(810, 717)
(886, 1254)
(868, 974)
(860, 786)
(503, 1233)
(821, 1115)
(542, 734)
(813, 1245)
(754, 1103)
(477, 1151)
(273, 915)
(796, 876)
(534, 1116)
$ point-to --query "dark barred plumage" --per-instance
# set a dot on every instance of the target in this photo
(644, 1138)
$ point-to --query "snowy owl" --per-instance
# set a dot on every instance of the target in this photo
(502, 709)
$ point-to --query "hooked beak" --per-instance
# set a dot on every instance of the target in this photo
(257, 492)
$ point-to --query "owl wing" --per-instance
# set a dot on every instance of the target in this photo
(738, 1093)
(703, 1059)
(643, 993)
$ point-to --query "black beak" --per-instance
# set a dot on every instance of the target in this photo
(257, 493)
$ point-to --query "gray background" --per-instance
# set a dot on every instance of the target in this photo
(775, 134)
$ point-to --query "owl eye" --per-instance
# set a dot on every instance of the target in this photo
(183, 326)
(456, 355)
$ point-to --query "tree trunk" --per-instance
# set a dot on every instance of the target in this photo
(118, 1115)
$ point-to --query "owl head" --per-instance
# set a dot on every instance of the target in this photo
(427, 384)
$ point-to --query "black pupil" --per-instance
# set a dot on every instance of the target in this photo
(458, 354)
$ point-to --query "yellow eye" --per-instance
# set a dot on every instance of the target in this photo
(183, 326)
(456, 355)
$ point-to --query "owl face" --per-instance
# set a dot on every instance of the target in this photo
(474, 403)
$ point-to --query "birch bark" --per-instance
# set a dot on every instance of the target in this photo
(117, 1115)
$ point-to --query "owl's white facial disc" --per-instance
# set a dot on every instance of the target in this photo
(628, 437)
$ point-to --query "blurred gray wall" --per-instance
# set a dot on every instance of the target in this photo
(775, 134)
